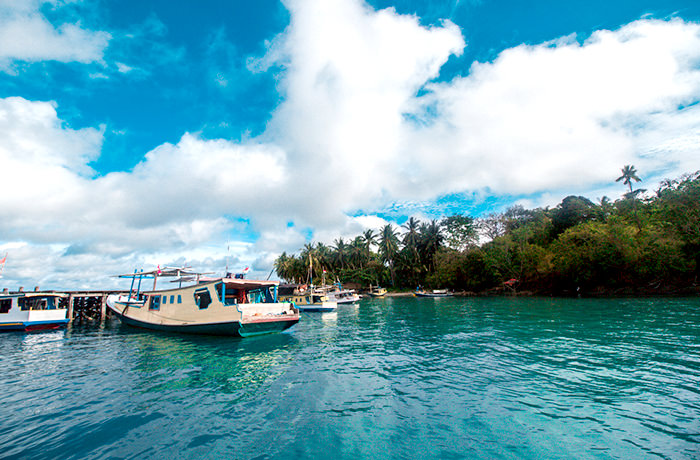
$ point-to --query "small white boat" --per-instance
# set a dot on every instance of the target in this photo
(345, 296)
(215, 306)
(337, 294)
(29, 311)
(434, 293)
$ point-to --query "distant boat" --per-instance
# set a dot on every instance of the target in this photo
(434, 293)
(377, 291)
(214, 306)
(30, 311)
(305, 299)
(337, 294)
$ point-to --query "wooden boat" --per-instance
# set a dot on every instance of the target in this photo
(215, 306)
(434, 293)
(336, 293)
(310, 301)
(29, 311)
(377, 291)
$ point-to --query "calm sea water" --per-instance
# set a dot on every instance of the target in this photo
(390, 378)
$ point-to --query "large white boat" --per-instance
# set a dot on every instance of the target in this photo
(28, 311)
(216, 306)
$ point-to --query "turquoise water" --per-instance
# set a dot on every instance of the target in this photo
(388, 378)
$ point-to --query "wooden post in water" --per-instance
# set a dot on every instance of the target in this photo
(70, 307)
(103, 308)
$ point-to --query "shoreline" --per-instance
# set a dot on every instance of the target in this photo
(691, 291)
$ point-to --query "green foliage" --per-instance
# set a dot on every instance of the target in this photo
(460, 232)
(573, 210)
(634, 243)
(595, 254)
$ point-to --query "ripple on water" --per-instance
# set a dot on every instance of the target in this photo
(389, 378)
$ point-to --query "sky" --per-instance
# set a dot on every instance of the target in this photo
(220, 133)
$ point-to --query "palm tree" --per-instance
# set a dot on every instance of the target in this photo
(324, 256)
(308, 254)
(340, 249)
(282, 267)
(389, 248)
(429, 242)
(629, 173)
(369, 239)
(410, 238)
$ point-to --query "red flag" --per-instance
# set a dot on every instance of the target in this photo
(3, 260)
(245, 270)
(159, 272)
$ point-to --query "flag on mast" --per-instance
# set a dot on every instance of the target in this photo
(2, 263)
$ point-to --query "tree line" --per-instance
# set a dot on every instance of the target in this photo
(640, 243)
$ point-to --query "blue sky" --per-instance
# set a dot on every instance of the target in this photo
(137, 133)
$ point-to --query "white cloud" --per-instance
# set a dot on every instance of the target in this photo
(564, 116)
(26, 35)
(352, 133)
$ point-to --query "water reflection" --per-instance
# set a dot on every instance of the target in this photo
(171, 361)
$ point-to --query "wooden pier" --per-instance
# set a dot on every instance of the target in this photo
(88, 305)
(81, 305)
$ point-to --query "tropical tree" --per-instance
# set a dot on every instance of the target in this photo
(283, 266)
(389, 248)
(431, 239)
(629, 174)
(324, 255)
(460, 231)
(357, 252)
(369, 239)
(340, 252)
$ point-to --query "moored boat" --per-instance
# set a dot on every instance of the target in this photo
(336, 293)
(305, 299)
(434, 293)
(377, 291)
(29, 311)
(214, 306)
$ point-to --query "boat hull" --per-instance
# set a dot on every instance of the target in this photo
(432, 295)
(28, 326)
(316, 307)
(229, 328)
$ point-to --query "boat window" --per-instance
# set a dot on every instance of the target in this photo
(267, 296)
(179, 298)
(5, 305)
(220, 291)
(155, 303)
(172, 299)
(165, 299)
(202, 298)
(31, 303)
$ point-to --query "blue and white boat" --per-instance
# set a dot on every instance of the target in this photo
(30, 311)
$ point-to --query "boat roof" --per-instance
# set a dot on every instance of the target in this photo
(241, 283)
(33, 294)
(178, 272)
